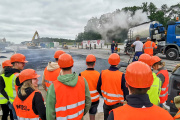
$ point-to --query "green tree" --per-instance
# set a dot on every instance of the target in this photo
(152, 8)
(145, 7)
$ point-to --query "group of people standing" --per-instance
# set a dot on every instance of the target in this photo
(137, 94)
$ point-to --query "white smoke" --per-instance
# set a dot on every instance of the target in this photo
(116, 22)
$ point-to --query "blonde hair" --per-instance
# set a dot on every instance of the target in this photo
(26, 84)
(159, 63)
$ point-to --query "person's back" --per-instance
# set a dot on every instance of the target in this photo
(52, 71)
(128, 112)
(139, 79)
(138, 46)
(148, 46)
(68, 97)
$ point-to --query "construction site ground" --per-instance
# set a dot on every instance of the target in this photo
(104, 54)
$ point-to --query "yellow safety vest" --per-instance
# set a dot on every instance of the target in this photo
(10, 86)
(3, 100)
(155, 90)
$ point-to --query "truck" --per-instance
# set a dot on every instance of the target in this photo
(167, 38)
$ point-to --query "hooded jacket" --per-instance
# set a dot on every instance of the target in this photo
(8, 72)
(69, 80)
(52, 66)
(37, 103)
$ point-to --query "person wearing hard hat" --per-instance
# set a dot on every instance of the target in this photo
(3, 95)
(163, 74)
(111, 85)
(92, 77)
(29, 103)
(177, 104)
(68, 97)
(138, 49)
(52, 71)
(11, 76)
(112, 47)
(139, 79)
(155, 89)
(149, 46)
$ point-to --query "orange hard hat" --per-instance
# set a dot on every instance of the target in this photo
(146, 58)
(6, 63)
(27, 74)
(18, 58)
(139, 75)
(65, 60)
(90, 58)
(58, 53)
(155, 59)
(114, 59)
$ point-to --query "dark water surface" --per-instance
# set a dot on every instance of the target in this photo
(39, 58)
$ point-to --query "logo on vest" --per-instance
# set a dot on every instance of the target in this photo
(22, 107)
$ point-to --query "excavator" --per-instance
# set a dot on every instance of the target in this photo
(33, 44)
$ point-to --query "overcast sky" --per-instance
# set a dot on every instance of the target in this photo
(19, 19)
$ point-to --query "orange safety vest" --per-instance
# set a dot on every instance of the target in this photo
(148, 47)
(24, 108)
(177, 115)
(50, 76)
(70, 101)
(92, 77)
(111, 87)
(127, 112)
(164, 89)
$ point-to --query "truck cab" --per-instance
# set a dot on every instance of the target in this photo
(172, 45)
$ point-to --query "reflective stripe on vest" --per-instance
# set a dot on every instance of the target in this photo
(10, 86)
(149, 47)
(50, 76)
(164, 89)
(20, 118)
(92, 77)
(70, 101)
(70, 116)
(70, 106)
(111, 87)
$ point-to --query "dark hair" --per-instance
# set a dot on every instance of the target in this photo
(138, 91)
(113, 65)
(90, 63)
(56, 59)
(66, 69)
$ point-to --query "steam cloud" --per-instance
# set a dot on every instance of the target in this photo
(116, 24)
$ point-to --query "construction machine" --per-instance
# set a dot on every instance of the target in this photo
(64, 45)
(33, 44)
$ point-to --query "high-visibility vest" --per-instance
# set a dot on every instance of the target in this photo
(24, 109)
(154, 91)
(70, 101)
(177, 116)
(164, 89)
(11, 87)
(111, 87)
(50, 76)
(127, 112)
(92, 77)
(148, 47)
(3, 100)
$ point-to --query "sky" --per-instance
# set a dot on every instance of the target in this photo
(19, 19)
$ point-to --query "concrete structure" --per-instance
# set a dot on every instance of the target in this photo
(94, 44)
